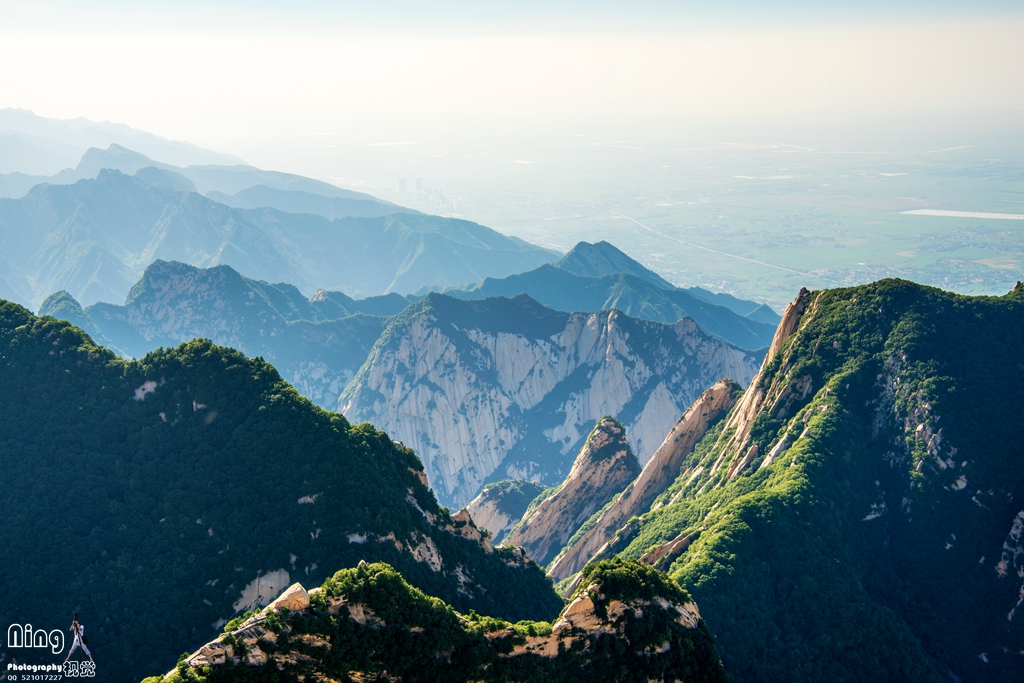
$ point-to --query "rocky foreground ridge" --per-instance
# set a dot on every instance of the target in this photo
(626, 623)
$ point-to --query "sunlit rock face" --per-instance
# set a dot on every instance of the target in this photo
(507, 388)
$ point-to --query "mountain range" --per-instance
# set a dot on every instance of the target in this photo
(95, 237)
(598, 277)
(855, 514)
(38, 146)
(164, 496)
(507, 388)
(535, 411)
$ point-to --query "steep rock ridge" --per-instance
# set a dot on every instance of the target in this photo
(659, 472)
(187, 483)
(501, 504)
(175, 302)
(736, 433)
(873, 493)
(504, 388)
(367, 623)
(602, 469)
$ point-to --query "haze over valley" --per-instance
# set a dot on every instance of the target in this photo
(550, 342)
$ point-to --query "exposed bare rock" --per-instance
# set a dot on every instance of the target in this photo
(294, 598)
(501, 505)
(465, 527)
(663, 555)
(511, 387)
(592, 614)
(657, 475)
(368, 624)
(737, 430)
(602, 469)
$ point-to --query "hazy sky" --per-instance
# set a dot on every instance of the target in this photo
(243, 77)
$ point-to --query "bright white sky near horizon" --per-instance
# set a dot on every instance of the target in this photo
(245, 78)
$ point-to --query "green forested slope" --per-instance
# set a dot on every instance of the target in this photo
(626, 623)
(150, 516)
(882, 540)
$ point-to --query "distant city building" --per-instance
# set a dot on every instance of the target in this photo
(419, 185)
(401, 185)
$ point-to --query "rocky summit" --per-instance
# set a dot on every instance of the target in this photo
(602, 469)
(625, 623)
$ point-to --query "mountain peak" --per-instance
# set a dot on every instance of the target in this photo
(603, 258)
(604, 466)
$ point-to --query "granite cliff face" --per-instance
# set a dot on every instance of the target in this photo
(602, 469)
(507, 388)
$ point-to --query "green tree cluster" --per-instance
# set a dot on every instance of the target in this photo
(147, 494)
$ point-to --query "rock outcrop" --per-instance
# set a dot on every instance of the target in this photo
(507, 388)
(659, 472)
(501, 505)
(602, 469)
(736, 451)
(367, 623)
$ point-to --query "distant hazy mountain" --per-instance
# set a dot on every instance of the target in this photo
(296, 201)
(95, 237)
(603, 258)
(316, 346)
(762, 313)
(508, 388)
(33, 155)
(62, 141)
(586, 279)
(238, 186)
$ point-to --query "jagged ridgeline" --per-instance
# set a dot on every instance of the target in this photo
(502, 388)
(626, 623)
(858, 514)
(160, 497)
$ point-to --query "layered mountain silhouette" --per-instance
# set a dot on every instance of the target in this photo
(95, 237)
(40, 146)
(190, 486)
(596, 277)
(317, 345)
